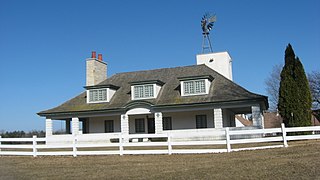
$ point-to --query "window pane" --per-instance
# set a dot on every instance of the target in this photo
(105, 94)
(167, 123)
(95, 95)
(141, 94)
(138, 91)
(201, 121)
(91, 95)
(108, 126)
(99, 95)
(188, 87)
(197, 87)
(148, 89)
(139, 124)
(200, 86)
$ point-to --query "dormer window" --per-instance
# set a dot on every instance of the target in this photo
(197, 85)
(145, 89)
(194, 87)
(100, 93)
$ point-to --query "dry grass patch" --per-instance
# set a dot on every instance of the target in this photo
(300, 160)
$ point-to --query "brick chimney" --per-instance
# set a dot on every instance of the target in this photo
(100, 57)
(96, 70)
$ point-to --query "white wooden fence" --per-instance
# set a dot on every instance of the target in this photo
(125, 144)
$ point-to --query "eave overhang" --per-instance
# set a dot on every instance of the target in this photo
(102, 86)
(195, 77)
(158, 82)
(263, 102)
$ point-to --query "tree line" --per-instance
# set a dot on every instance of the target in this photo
(22, 134)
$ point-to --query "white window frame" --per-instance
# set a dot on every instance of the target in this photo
(152, 93)
(193, 87)
(97, 90)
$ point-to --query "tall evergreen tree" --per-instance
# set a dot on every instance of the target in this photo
(294, 93)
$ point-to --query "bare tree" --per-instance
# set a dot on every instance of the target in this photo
(272, 86)
(314, 82)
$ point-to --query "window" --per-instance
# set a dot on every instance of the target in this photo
(201, 121)
(194, 87)
(108, 126)
(143, 91)
(97, 95)
(139, 124)
(167, 123)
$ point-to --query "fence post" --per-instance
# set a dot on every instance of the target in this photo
(284, 135)
(0, 143)
(74, 147)
(34, 145)
(228, 140)
(121, 145)
(169, 144)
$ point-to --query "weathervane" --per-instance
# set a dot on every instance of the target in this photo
(206, 25)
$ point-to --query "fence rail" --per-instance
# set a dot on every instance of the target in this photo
(168, 146)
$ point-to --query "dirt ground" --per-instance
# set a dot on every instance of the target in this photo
(301, 160)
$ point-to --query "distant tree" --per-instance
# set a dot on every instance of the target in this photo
(272, 86)
(294, 93)
(37, 133)
(13, 134)
(314, 82)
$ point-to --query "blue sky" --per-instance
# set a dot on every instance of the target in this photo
(44, 44)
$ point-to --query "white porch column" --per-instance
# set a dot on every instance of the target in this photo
(257, 120)
(48, 127)
(218, 118)
(158, 122)
(125, 127)
(124, 124)
(75, 126)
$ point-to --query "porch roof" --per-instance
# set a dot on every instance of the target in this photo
(222, 90)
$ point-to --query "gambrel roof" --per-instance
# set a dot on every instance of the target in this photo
(221, 90)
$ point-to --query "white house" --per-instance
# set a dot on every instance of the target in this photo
(199, 97)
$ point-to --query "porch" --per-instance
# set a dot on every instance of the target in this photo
(146, 120)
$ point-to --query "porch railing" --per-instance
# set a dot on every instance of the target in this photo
(161, 143)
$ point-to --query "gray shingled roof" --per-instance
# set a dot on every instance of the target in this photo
(221, 90)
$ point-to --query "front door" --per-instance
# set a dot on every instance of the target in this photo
(151, 128)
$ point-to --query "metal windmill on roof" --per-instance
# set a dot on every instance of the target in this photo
(206, 25)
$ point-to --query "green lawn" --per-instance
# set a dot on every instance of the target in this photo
(301, 160)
